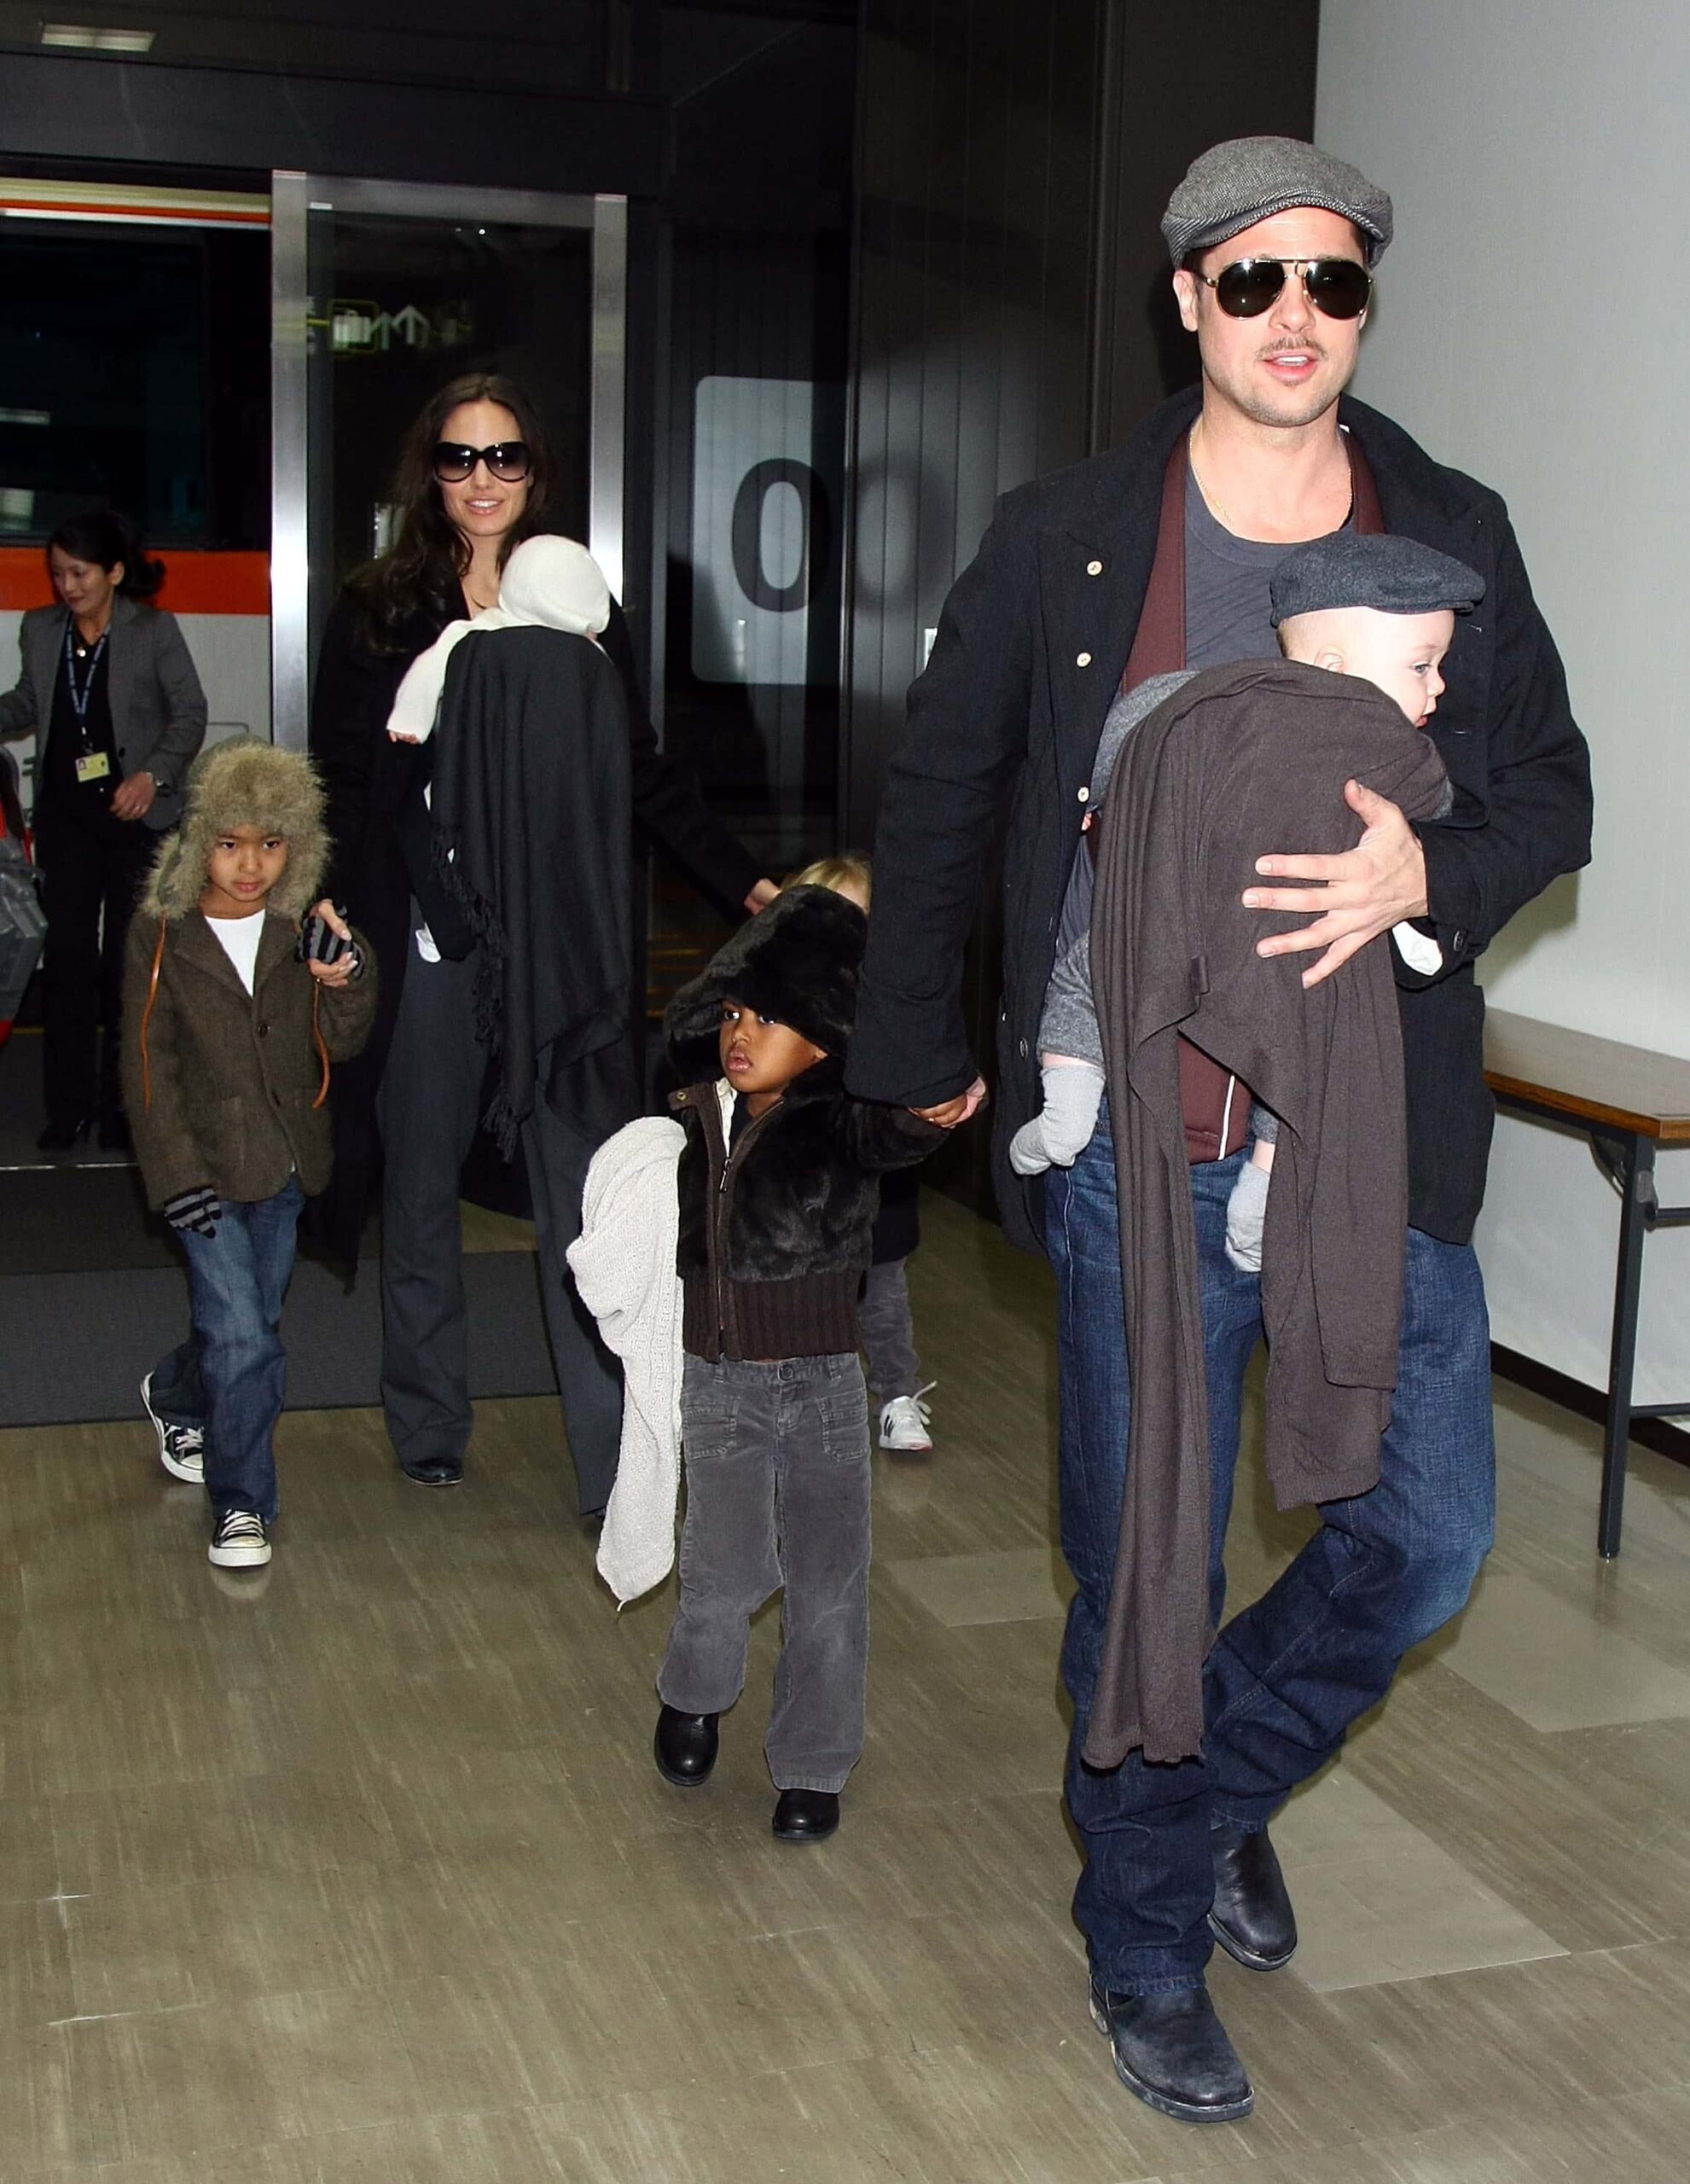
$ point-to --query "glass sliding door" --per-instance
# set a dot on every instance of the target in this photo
(384, 291)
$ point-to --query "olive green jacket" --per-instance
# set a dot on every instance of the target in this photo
(222, 1092)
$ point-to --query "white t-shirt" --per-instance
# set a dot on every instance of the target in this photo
(240, 938)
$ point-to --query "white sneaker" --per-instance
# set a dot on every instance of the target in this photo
(240, 1541)
(182, 1448)
(903, 1423)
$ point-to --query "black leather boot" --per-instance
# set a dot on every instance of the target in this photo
(1251, 1917)
(806, 1816)
(1173, 2052)
(684, 1747)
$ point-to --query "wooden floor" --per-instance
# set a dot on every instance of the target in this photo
(358, 1868)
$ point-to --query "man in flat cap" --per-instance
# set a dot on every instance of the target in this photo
(1157, 556)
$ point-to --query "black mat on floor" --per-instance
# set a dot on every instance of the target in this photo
(74, 1346)
(66, 1220)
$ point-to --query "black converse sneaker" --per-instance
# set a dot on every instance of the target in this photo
(182, 1448)
(240, 1541)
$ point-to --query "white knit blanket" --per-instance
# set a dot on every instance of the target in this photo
(549, 582)
(623, 1264)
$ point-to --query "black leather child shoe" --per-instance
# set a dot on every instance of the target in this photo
(806, 1816)
(684, 1747)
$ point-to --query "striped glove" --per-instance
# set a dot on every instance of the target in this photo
(199, 1209)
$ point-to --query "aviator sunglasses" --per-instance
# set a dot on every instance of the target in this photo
(509, 461)
(1337, 287)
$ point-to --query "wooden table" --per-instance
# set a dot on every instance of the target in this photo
(1629, 1100)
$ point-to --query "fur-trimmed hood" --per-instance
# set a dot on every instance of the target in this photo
(798, 960)
(243, 783)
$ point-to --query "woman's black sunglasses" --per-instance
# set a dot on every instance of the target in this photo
(509, 461)
(1337, 287)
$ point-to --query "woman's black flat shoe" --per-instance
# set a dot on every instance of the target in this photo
(62, 1136)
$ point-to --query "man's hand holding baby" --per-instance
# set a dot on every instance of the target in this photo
(1362, 893)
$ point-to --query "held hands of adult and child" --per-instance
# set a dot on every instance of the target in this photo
(759, 898)
(1364, 892)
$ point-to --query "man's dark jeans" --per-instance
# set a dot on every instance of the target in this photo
(227, 1377)
(1289, 1674)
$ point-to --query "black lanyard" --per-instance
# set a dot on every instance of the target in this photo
(80, 698)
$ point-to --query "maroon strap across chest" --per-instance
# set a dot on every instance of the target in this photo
(1158, 642)
(1217, 1105)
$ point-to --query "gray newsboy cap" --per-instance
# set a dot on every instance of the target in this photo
(1393, 576)
(1232, 185)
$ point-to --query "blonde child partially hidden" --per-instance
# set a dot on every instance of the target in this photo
(1377, 607)
(232, 1013)
(900, 1395)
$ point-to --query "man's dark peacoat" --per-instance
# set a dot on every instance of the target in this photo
(1002, 729)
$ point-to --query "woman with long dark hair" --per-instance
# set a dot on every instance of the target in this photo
(474, 479)
(108, 681)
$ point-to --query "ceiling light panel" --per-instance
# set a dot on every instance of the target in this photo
(95, 38)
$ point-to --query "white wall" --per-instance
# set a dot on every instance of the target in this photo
(1532, 327)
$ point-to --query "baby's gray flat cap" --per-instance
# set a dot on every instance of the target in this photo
(1393, 576)
(1232, 185)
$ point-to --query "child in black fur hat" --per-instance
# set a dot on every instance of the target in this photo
(778, 1189)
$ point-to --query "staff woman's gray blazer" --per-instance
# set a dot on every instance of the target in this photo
(158, 707)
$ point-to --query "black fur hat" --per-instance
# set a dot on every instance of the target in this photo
(797, 960)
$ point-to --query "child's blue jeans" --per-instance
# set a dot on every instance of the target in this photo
(777, 1496)
(227, 1377)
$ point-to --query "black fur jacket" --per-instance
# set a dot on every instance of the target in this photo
(775, 1236)
(774, 1232)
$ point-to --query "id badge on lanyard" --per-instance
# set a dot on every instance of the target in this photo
(91, 765)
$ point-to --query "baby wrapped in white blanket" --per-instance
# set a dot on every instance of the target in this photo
(549, 582)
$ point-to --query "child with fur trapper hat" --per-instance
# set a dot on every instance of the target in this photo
(777, 1183)
(232, 1014)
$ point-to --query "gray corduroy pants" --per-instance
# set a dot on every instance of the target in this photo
(778, 1479)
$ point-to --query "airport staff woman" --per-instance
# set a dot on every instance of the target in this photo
(108, 681)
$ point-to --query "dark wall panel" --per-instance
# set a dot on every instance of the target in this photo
(973, 272)
(974, 263)
(1175, 80)
(1013, 304)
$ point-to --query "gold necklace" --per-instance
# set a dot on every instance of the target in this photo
(1212, 500)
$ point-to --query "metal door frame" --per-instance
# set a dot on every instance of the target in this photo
(294, 196)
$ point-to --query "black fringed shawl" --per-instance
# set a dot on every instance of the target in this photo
(532, 815)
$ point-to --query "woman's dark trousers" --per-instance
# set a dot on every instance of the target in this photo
(92, 867)
(429, 1107)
